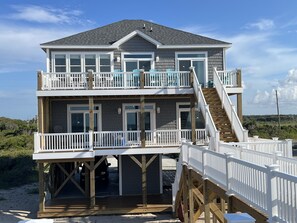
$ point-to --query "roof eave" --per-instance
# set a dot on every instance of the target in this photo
(198, 46)
(78, 47)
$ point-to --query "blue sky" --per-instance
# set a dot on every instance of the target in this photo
(263, 36)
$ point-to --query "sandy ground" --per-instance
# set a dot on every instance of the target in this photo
(21, 204)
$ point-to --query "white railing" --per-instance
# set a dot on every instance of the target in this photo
(175, 185)
(209, 123)
(263, 187)
(269, 146)
(50, 142)
(64, 81)
(228, 78)
(166, 79)
(287, 164)
(114, 80)
(240, 132)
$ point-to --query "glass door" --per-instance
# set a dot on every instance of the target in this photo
(199, 70)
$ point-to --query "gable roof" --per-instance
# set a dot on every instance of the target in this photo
(112, 35)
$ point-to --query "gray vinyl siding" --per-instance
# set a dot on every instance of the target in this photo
(111, 120)
(132, 176)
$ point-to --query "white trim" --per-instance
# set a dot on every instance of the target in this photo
(204, 59)
(98, 47)
(224, 59)
(120, 176)
(105, 152)
(136, 151)
(134, 33)
(64, 155)
(178, 110)
(69, 112)
(152, 112)
(196, 46)
(101, 47)
(123, 59)
(47, 60)
(82, 58)
(115, 92)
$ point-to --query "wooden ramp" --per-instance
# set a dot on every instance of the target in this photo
(64, 207)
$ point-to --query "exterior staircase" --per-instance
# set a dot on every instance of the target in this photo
(219, 115)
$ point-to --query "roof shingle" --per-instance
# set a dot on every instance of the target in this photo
(107, 35)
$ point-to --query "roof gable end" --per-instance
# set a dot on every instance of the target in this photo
(134, 33)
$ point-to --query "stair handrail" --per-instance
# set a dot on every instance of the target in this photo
(240, 132)
(204, 107)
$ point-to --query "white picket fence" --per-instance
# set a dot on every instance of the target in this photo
(264, 187)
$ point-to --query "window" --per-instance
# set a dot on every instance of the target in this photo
(82, 62)
(79, 117)
(90, 62)
(75, 63)
(104, 63)
(185, 60)
(134, 61)
(60, 63)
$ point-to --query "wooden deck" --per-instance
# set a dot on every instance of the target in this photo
(64, 207)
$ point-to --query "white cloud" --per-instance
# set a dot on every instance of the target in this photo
(38, 14)
(20, 50)
(263, 24)
(286, 89)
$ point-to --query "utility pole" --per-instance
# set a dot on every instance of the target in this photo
(277, 107)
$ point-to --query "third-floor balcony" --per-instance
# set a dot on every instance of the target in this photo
(113, 80)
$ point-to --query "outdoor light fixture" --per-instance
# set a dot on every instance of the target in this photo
(157, 58)
(119, 111)
(118, 59)
(158, 110)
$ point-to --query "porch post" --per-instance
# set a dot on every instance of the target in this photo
(41, 187)
(141, 79)
(193, 120)
(40, 114)
(144, 178)
(90, 79)
(239, 96)
(92, 185)
(142, 122)
(39, 80)
(91, 113)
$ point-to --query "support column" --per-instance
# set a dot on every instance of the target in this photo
(46, 114)
(91, 113)
(87, 182)
(185, 194)
(239, 96)
(41, 187)
(144, 180)
(191, 197)
(142, 121)
(206, 202)
(40, 115)
(193, 120)
(92, 185)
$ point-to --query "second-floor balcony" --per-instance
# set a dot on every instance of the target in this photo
(114, 80)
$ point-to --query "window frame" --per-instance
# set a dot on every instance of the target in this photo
(69, 112)
(123, 59)
(82, 60)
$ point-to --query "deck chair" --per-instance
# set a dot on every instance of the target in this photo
(172, 77)
(118, 78)
(153, 78)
